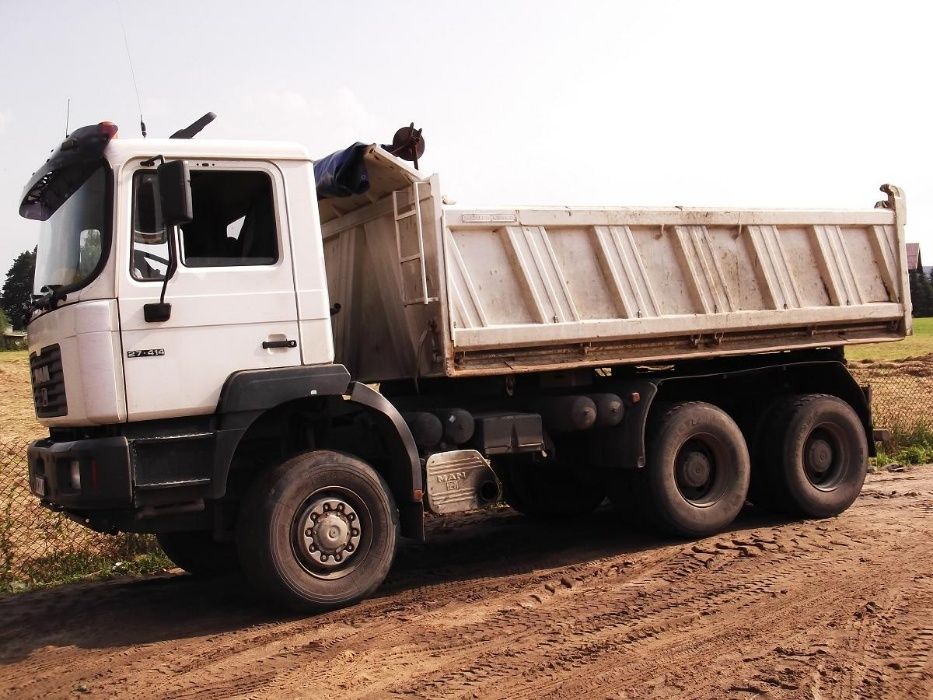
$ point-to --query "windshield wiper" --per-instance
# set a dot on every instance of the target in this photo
(49, 298)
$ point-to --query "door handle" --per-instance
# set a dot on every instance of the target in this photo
(266, 344)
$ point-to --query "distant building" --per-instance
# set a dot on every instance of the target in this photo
(13, 340)
(914, 263)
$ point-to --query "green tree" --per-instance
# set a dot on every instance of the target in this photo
(926, 293)
(4, 321)
(921, 293)
(17, 289)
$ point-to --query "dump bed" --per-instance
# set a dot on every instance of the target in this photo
(427, 289)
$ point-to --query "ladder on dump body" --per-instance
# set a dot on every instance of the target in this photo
(418, 257)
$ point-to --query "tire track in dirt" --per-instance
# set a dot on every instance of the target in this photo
(499, 606)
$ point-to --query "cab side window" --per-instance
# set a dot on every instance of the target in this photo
(234, 220)
(233, 224)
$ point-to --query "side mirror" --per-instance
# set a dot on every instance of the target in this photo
(175, 192)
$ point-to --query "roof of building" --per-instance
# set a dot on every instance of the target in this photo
(913, 256)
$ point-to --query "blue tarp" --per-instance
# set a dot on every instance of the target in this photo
(343, 173)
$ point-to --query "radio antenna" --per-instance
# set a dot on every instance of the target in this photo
(67, 116)
(129, 59)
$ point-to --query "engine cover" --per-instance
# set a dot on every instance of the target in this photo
(460, 480)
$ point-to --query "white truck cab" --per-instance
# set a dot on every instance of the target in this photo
(238, 300)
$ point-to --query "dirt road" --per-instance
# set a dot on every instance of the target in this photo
(498, 606)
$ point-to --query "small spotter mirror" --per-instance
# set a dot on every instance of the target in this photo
(175, 192)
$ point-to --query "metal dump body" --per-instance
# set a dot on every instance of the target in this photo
(450, 291)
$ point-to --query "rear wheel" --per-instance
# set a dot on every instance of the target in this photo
(318, 532)
(814, 460)
(198, 553)
(696, 477)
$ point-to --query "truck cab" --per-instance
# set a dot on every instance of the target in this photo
(237, 299)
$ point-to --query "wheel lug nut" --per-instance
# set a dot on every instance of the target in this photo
(350, 548)
(323, 557)
(351, 517)
(309, 532)
(338, 557)
(340, 507)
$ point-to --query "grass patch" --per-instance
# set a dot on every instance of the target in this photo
(914, 446)
(920, 343)
(130, 555)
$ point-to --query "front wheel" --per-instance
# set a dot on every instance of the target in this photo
(318, 532)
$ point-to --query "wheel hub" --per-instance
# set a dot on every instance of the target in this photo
(331, 532)
(819, 456)
(695, 470)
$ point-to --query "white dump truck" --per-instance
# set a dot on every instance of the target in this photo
(277, 366)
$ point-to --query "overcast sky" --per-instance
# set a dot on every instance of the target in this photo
(793, 104)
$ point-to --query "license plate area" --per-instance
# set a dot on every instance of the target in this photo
(38, 485)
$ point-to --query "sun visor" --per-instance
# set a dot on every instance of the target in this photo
(69, 167)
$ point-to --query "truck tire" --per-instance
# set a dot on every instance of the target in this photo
(814, 459)
(198, 553)
(696, 476)
(318, 532)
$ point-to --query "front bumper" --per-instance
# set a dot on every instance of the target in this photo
(82, 475)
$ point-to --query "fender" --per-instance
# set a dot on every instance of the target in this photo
(624, 447)
(406, 479)
(250, 393)
(808, 376)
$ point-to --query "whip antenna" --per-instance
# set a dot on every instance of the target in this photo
(67, 116)
(129, 59)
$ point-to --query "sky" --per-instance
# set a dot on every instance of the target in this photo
(791, 104)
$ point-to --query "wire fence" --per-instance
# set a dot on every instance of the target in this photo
(39, 547)
(901, 393)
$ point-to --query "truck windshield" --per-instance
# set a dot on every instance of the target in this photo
(72, 240)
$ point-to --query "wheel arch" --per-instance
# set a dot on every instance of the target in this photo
(271, 404)
(740, 392)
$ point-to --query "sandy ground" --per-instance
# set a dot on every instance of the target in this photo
(17, 416)
(499, 606)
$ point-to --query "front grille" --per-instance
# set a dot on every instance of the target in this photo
(48, 382)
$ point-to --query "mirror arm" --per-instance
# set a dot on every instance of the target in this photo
(158, 313)
(172, 262)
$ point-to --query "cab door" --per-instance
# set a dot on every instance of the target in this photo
(233, 302)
